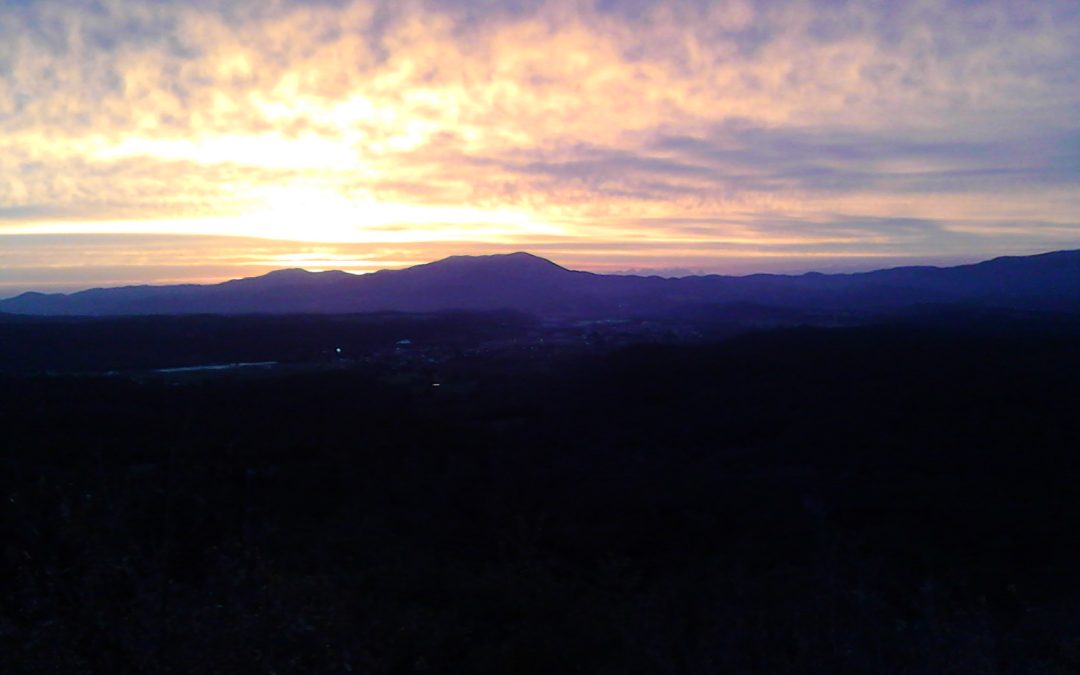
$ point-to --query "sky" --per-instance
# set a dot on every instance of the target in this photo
(201, 140)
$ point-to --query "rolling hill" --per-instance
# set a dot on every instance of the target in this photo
(528, 283)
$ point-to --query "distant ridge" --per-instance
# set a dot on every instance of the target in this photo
(529, 283)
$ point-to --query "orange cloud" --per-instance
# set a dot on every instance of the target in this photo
(425, 123)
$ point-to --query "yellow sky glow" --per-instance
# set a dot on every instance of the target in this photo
(678, 130)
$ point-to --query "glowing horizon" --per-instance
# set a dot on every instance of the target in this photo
(699, 136)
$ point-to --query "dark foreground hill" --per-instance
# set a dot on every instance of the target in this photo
(898, 498)
(526, 283)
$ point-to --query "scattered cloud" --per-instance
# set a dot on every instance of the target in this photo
(728, 128)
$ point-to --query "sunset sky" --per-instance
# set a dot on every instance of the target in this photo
(155, 142)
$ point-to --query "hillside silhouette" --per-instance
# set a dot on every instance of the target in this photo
(495, 465)
(527, 283)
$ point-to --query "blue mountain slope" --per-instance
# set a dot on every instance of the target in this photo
(529, 283)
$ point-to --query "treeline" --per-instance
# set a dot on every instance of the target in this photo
(884, 499)
(93, 344)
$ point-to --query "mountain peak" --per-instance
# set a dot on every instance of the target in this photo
(517, 257)
(517, 262)
(291, 272)
(528, 282)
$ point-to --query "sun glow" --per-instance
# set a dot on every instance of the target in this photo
(662, 135)
(319, 214)
(270, 151)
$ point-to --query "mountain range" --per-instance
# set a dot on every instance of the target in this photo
(527, 283)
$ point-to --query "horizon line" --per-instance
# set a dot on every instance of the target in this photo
(619, 273)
